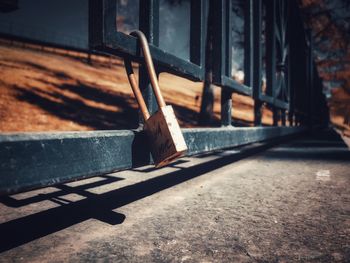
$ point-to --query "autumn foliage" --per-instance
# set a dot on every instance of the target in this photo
(330, 25)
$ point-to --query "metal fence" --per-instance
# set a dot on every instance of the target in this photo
(275, 43)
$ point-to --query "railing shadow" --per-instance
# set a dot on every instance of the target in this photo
(65, 96)
(63, 190)
(77, 111)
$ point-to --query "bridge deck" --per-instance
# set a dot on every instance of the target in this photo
(289, 202)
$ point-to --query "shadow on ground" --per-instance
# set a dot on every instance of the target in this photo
(78, 111)
(68, 98)
(97, 107)
(98, 206)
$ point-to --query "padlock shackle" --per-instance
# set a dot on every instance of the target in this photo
(151, 72)
(135, 89)
(150, 67)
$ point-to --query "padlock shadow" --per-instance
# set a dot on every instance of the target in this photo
(174, 164)
(140, 150)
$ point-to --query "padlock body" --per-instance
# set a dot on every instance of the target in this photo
(165, 137)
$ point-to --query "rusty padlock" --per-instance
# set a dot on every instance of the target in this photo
(162, 129)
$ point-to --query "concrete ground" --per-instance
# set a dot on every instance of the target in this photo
(288, 203)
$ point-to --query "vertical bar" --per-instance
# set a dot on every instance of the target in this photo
(305, 92)
(149, 20)
(109, 18)
(289, 83)
(149, 25)
(292, 60)
(283, 117)
(257, 57)
(210, 72)
(248, 43)
(102, 25)
(221, 45)
(197, 36)
(275, 116)
(95, 23)
(226, 95)
(300, 68)
(226, 107)
(311, 79)
(228, 34)
(219, 39)
(271, 55)
(271, 48)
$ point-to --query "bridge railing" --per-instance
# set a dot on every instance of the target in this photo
(276, 48)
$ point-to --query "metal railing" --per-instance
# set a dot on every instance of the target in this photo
(293, 91)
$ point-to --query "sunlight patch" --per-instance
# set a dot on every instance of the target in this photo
(323, 175)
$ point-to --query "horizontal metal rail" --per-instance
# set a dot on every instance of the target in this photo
(33, 160)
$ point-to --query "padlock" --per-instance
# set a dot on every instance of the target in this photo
(162, 129)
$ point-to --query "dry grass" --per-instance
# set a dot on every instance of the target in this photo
(50, 90)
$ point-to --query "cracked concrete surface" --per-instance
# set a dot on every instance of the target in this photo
(288, 203)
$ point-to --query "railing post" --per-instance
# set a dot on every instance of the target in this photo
(310, 65)
(271, 55)
(197, 39)
(283, 117)
(226, 107)
(257, 57)
(226, 95)
(149, 25)
(292, 60)
(222, 54)
(248, 43)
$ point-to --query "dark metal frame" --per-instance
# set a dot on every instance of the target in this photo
(104, 35)
(31, 160)
(276, 33)
(222, 53)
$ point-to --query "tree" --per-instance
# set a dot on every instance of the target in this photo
(330, 25)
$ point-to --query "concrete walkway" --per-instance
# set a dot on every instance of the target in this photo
(288, 203)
